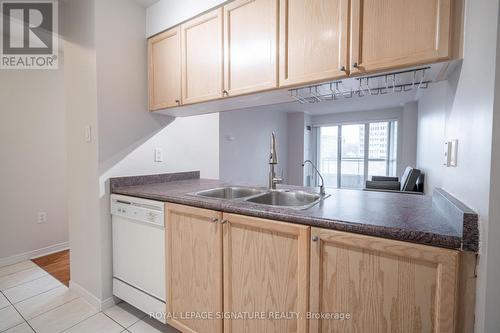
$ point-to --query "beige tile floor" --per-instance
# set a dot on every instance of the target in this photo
(33, 301)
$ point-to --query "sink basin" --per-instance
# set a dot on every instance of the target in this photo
(292, 199)
(230, 192)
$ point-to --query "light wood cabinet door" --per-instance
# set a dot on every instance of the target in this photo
(385, 285)
(250, 46)
(313, 40)
(164, 60)
(266, 270)
(202, 54)
(388, 34)
(194, 267)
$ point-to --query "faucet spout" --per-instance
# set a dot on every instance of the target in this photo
(322, 185)
(273, 157)
(273, 160)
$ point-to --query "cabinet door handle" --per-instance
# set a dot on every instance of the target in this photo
(225, 93)
(224, 221)
(214, 219)
(355, 65)
(178, 102)
(315, 238)
(342, 69)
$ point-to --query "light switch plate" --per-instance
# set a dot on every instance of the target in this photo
(447, 154)
(88, 133)
(158, 155)
(453, 153)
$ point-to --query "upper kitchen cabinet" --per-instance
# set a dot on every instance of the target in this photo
(387, 34)
(250, 46)
(202, 66)
(164, 51)
(313, 40)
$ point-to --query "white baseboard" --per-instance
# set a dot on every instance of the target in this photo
(109, 302)
(33, 254)
(91, 298)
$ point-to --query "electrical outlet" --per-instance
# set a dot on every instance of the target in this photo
(42, 217)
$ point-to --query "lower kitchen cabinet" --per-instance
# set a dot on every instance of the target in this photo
(384, 285)
(266, 270)
(310, 279)
(194, 268)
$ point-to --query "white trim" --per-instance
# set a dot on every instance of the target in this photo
(109, 302)
(85, 294)
(33, 254)
(91, 298)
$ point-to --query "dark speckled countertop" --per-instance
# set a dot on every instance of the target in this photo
(438, 220)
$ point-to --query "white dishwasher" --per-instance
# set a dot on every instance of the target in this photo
(139, 253)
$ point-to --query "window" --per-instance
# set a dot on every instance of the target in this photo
(328, 154)
(350, 154)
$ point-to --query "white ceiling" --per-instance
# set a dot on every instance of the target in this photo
(146, 3)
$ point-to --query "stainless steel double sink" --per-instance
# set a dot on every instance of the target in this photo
(277, 198)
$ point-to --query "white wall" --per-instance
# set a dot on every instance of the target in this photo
(167, 13)
(81, 110)
(245, 145)
(296, 148)
(188, 144)
(33, 163)
(431, 134)
(122, 78)
(128, 133)
(407, 128)
(408, 137)
(468, 117)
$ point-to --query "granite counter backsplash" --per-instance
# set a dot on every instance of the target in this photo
(437, 220)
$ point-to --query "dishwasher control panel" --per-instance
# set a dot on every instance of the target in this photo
(141, 210)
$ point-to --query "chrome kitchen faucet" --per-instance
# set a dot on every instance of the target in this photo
(273, 160)
(322, 185)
